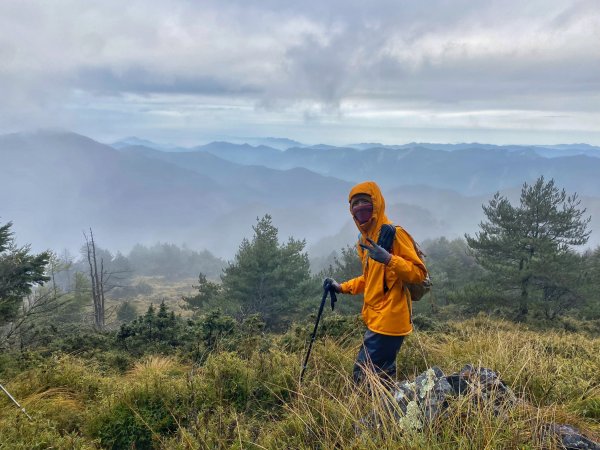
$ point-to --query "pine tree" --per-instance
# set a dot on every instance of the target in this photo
(530, 245)
(19, 272)
(265, 276)
(208, 293)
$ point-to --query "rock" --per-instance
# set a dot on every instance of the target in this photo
(426, 396)
(484, 385)
(426, 381)
(433, 390)
(424, 399)
(459, 384)
(570, 437)
(404, 393)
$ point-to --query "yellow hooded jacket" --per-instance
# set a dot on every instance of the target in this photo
(385, 312)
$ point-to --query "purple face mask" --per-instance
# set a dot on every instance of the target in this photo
(363, 212)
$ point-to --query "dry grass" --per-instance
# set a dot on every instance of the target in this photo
(254, 400)
(551, 372)
(154, 365)
(169, 291)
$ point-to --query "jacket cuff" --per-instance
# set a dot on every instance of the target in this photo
(346, 287)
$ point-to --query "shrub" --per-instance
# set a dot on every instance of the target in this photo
(338, 326)
(137, 420)
(425, 323)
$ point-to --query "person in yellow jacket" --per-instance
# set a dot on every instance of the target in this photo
(387, 309)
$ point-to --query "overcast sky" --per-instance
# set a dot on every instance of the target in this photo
(337, 71)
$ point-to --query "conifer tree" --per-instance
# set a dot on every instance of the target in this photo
(208, 293)
(19, 272)
(530, 245)
(265, 276)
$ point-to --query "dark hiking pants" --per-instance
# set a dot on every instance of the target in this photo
(378, 354)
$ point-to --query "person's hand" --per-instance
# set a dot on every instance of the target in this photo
(330, 283)
(377, 252)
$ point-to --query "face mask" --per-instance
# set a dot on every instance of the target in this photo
(363, 213)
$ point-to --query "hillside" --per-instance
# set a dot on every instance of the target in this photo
(473, 170)
(242, 391)
(56, 184)
(70, 182)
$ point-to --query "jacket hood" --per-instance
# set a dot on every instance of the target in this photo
(371, 228)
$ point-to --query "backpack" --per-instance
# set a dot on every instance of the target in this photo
(387, 234)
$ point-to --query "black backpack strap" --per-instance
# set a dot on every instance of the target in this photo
(387, 234)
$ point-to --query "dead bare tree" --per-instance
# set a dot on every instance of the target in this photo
(97, 279)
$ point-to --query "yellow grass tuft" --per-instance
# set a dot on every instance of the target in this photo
(154, 365)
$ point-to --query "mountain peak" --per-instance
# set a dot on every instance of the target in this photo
(53, 135)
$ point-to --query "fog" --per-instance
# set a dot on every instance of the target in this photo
(54, 185)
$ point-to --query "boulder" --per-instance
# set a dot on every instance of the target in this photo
(484, 386)
(430, 391)
(423, 399)
(570, 438)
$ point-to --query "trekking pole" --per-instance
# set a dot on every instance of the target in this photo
(15, 402)
(327, 289)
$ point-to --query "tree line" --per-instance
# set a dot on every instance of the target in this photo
(524, 263)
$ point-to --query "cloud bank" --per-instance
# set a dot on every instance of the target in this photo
(335, 70)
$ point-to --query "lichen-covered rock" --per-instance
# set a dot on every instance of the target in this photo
(433, 391)
(413, 418)
(570, 438)
(404, 393)
(425, 398)
(426, 381)
(485, 387)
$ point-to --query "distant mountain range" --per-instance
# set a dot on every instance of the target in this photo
(549, 151)
(53, 185)
(471, 171)
(273, 142)
(132, 141)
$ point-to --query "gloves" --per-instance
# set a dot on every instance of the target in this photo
(377, 252)
(330, 283)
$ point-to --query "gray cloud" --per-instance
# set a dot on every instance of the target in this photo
(309, 60)
(140, 80)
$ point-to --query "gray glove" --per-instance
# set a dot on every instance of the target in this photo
(332, 284)
(377, 252)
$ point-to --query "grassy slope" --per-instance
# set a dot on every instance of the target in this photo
(169, 291)
(251, 398)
